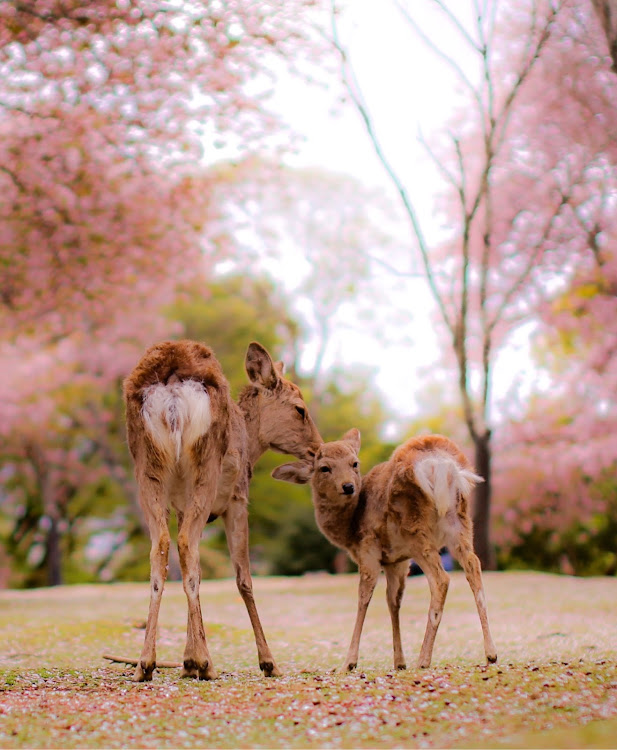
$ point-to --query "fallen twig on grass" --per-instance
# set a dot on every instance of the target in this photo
(134, 662)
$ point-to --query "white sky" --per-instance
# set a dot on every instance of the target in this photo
(406, 89)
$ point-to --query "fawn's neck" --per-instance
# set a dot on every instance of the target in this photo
(338, 522)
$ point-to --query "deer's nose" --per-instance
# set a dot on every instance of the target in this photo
(348, 488)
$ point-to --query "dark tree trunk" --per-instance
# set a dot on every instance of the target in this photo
(54, 555)
(482, 503)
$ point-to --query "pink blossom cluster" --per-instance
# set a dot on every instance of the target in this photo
(106, 207)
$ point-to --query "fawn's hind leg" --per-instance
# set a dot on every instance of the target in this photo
(438, 581)
(463, 552)
(396, 576)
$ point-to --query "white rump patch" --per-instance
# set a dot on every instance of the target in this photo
(176, 415)
(441, 479)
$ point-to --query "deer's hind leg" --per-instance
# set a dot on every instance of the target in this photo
(153, 501)
(191, 522)
(396, 576)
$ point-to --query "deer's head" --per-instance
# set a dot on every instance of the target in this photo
(285, 424)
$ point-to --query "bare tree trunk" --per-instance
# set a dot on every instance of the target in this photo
(54, 555)
(482, 503)
(607, 14)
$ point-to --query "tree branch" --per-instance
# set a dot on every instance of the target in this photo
(356, 96)
(450, 61)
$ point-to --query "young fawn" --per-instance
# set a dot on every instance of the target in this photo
(407, 507)
(194, 450)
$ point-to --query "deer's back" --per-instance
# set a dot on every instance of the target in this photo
(170, 364)
(186, 360)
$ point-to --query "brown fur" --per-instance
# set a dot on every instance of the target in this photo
(210, 477)
(388, 519)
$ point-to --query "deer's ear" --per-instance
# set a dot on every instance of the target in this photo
(260, 368)
(297, 473)
(280, 367)
(353, 438)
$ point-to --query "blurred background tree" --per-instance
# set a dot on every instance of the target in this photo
(119, 228)
(527, 165)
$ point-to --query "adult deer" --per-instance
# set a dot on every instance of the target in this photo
(407, 507)
(194, 449)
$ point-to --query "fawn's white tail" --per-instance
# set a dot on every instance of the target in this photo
(176, 415)
(441, 479)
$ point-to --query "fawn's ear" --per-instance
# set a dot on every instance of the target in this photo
(280, 367)
(260, 368)
(297, 473)
(353, 438)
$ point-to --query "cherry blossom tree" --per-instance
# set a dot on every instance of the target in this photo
(555, 457)
(109, 112)
(481, 286)
(526, 165)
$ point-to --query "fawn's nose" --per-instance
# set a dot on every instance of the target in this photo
(348, 488)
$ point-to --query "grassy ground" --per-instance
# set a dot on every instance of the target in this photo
(555, 684)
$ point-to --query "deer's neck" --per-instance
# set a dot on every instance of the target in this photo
(248, 402)
(338, 522)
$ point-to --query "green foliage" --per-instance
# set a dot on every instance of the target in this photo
(230, 313)
(284, 537)
(302, 547)
(101, 534)
(282, 521)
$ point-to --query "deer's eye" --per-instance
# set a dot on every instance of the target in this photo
(301, 411)
(355, 464)
(325, 469)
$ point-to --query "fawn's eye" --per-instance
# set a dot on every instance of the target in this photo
(325, 469)
(301, 411)
(355, 464)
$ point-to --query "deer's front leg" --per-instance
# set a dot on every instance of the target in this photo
(237, 532)
(369, 572)
(151, 498)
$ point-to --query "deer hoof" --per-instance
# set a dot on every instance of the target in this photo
(400, 666)
(198, 670)
(143, 672)
(350, 666)
(269, 669)
(491, 658)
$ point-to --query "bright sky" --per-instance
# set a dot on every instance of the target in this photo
(407, 90)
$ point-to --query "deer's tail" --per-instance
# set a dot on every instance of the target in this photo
(442, 479)
(176, 414)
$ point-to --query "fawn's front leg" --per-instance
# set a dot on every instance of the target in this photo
(369, 572)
